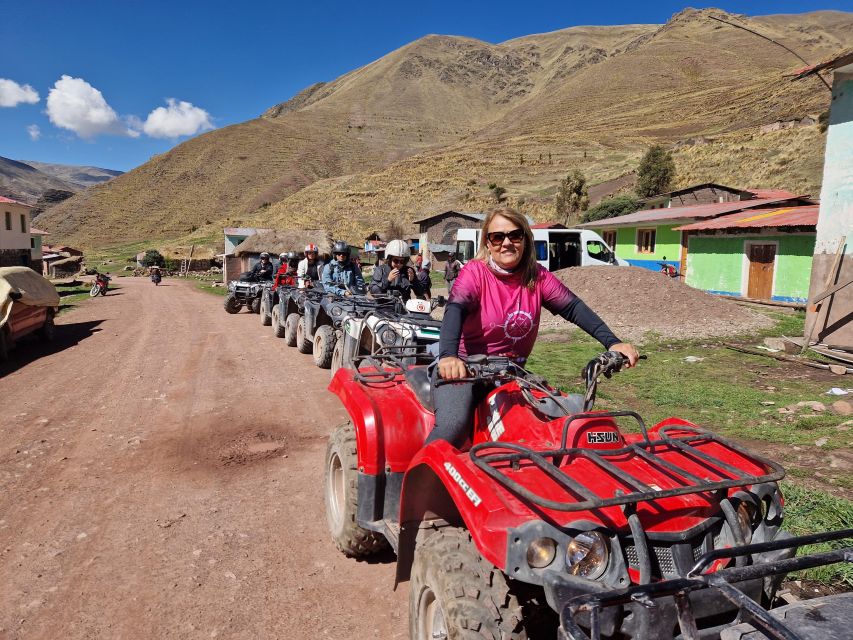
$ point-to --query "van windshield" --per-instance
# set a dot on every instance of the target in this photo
(464, 250)
(597, 250)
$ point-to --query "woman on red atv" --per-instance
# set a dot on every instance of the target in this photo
(494, 309)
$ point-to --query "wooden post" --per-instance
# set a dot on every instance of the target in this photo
(823, 313)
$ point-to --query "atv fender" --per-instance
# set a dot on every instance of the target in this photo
(442, 485)
(365, 418)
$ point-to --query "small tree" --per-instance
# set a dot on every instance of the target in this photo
(611, 207)
(656, 172)
(497, 191)
(572, 197)
(153, 257)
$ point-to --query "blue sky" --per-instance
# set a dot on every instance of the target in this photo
(112, 83)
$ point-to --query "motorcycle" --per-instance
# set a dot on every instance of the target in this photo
(156, 277)
(100, 285)
(668, 269)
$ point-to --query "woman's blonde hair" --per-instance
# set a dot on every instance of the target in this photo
(528, 266)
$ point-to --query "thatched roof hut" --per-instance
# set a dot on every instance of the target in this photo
(276, 242)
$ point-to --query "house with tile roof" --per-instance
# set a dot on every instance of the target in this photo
(20, 245)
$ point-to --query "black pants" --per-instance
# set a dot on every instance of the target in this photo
(454, 411)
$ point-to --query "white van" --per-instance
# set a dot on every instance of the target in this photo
(555, 248)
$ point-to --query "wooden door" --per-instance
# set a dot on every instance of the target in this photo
(761, 260)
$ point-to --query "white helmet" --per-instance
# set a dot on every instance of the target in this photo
(398, 249)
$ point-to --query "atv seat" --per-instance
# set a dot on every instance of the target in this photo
(420, 381)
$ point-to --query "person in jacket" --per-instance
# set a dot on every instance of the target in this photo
(494, 310)
(286, 274)
(451, 271)
(342, 276)
(425, 281)
(395, 273)
(263, 269)
(311, 267)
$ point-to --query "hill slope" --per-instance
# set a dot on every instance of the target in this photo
(25, 183)
(433, 123)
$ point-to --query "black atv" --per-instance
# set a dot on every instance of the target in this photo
(287, 313)
(245, 293)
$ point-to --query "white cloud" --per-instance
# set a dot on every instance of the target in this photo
(12, 93)
(76, 105)
(34, 131)
(176, 119)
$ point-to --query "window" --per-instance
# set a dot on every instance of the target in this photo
(32, 243)
(599, 251)
(646, 240)
(610, 238)
(464, 250)
(23, 223)
(8, 221)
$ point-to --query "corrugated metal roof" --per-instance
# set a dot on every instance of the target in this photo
(467, 214)
(787, 217)
(838, 60)
(684, 213)
(10, 201)
(771, 193)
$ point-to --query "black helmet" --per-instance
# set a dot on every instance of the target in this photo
(291, 256)
(340, 247)
(265, 255)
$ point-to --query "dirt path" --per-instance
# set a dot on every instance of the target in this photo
(161, 477)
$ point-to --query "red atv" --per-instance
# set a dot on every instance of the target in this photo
(548, 501)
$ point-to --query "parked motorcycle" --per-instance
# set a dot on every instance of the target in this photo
(101, 284)
(668, 269)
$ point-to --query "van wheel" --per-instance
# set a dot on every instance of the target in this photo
(324, 345)
(456, 593)
(341, 493)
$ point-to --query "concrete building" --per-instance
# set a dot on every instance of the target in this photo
(835, 220)
(16, 241)
(438, 233)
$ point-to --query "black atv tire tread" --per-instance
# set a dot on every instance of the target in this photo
(231, 304)
(290, 324)
(337, 356)
(353, 540)
(254, 305)
(277, 324)
(266, 314)
(476, 599)
(302, 344)
(324, 346)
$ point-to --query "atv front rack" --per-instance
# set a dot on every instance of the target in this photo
(590, 606)
(484, 456)
(387, 363)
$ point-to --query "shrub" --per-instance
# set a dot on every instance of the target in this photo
(656, 172)
(153, 257)
(572, 196)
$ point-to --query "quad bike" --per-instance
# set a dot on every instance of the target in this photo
(548, 502)
(287, 315)
(156, 277)
(322, 323)
(241, 293)
(405, 329)
(100, 285)
(270, 296)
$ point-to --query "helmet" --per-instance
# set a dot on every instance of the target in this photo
(398, 249)
(340, 247)
(291, 255)
(265, 255)
(282, 256)
(311, 247)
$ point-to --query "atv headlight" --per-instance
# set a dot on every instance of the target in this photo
(587, 554)
(541, 552)
(388, 337)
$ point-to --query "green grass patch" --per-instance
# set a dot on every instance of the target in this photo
(812, 511)
(207, 287)
(70, 295)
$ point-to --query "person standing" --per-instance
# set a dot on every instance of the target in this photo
(451, 271)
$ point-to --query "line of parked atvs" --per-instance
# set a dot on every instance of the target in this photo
(335, 329)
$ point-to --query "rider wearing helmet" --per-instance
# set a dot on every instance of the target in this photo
(310, 267)
(263, 269)
(395, 273)
(342, 276)
(286, 270)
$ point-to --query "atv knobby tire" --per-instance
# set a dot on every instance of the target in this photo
(277, 324)
(456, 593)
(232, 304)
(324, 345)
(341, 496)
(302, 343)
(254, 305)
(338, 355)
(266, 314)
(290, 325)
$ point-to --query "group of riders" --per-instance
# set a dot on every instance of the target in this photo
(342, 274)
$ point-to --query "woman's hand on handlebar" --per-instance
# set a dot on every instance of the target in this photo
(627, 350)
(452, 368)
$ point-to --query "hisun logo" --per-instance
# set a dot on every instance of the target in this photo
(458, 479)
(602, 437)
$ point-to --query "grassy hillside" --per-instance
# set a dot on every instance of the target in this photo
(432, 124)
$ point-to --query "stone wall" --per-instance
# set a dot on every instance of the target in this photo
(15, 258)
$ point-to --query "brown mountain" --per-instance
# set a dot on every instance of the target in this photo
(433, 123)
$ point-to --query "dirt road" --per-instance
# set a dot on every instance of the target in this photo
(161, 477)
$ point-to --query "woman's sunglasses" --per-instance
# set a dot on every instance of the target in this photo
(496, 238)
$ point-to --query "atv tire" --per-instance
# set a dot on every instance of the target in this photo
(277, 324)
(456, 593)
(254, 305)
(232, 304)
(341, 497)
(290, 325)
(302, 343)
(266, 314)
(325, 340)
(338, 355)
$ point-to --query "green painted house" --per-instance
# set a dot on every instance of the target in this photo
(723, 259)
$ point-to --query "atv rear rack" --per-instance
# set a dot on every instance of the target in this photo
(485, 458)
(770, 625)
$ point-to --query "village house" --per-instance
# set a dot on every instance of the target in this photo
(233, 237)
(832, 265)
(649, 238)
(20, 245)
(246, 254)
(438, 233)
